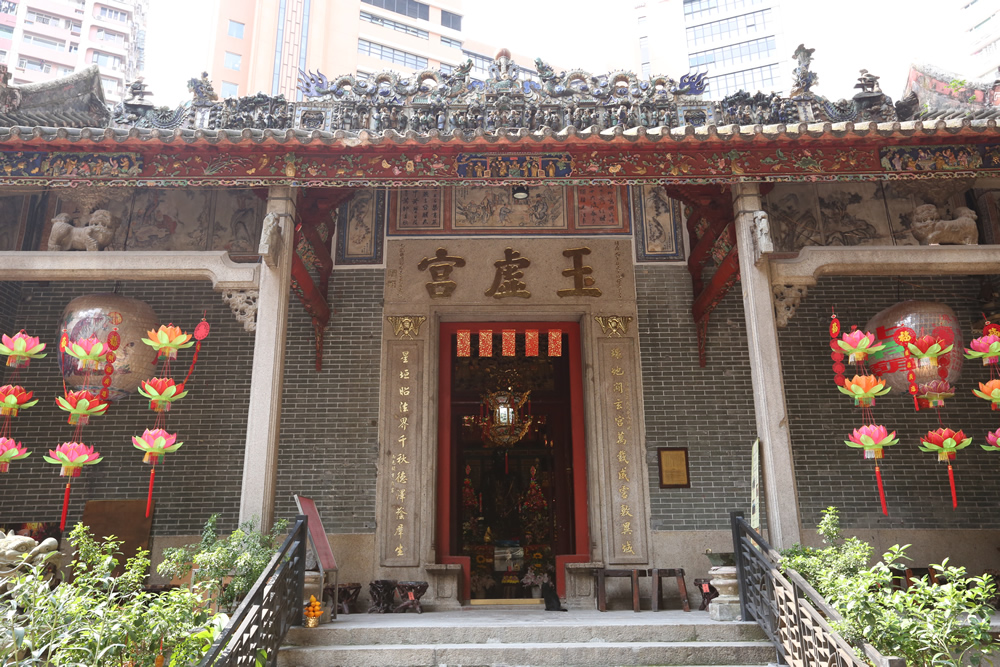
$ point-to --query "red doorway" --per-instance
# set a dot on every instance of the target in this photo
(548, 463)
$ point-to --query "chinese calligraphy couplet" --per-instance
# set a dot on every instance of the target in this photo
(402, 445)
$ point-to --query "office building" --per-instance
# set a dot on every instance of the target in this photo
(738, 42)
(262, 45)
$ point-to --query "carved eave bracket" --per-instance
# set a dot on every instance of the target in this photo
(243, 303)
(786, 301)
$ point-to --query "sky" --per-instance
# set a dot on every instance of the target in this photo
(882, 36)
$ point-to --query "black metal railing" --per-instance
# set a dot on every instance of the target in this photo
(790, 611)
(272, 606)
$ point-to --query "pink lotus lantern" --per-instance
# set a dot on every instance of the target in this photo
(872, 438)
(156, 444)
(945, 443)
(20, 349)
(90, 353)
(858, 345)
(993, 441)
(72, 456)
(13, 399)
(161, 392)
(11, 451)
(934, 392)
(986, 348)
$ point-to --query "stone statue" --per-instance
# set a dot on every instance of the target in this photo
(96, 233)
(929, 229)
(802, 78)
(14, 548)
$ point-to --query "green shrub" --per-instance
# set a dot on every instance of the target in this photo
(96, 619)
(231, 566)
(927, 624)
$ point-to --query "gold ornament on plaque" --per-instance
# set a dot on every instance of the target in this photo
(406, 326)
(614, 325)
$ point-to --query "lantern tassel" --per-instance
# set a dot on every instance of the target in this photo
(149, 496)
(62, 521)
(954, 497)
(881, 490)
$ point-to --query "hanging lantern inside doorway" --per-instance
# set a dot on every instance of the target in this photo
(506, 417)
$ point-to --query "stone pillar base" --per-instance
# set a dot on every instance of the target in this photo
(726, 607)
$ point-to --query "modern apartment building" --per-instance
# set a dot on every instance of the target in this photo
(261, 45)
(738, 42)
(980, 25)
(47, 39)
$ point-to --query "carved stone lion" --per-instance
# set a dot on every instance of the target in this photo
(94, 233)
(14, 548)
(929, 229)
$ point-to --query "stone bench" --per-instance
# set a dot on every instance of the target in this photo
(601, 574)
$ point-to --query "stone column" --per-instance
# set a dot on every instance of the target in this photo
(752, 240)
(260, 460)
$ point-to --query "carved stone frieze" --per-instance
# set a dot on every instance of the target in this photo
(244, 306)
(761, 236)
(614, 326)
(786, 300)
(406, 326)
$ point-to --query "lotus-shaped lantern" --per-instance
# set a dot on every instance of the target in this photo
(155, 444)
(993, 441)
(986, 348)
(863, 389)
(72, 456)
(14, 398)
(167, 340)
(90, 352)
(20, 349)
(872, 438)
(161, 392)
(944, 442)
(10, 451)
(927, 349)
(858, 344)
(935, 391)
(81, 406)
(990, 392)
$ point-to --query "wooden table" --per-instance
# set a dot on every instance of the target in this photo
(657, 574)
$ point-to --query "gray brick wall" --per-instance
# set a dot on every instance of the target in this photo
(10, 298)
(708, 410)
(820, 418)
(329, 431)
(202, 478)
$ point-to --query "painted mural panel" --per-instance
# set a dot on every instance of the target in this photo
(360, 228)
(238, 216)
(495, 209)
(656, 219)
(839, 214)
(170, 220)
(11, 222)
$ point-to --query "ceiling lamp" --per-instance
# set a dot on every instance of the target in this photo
(519, 192)
(506, 417)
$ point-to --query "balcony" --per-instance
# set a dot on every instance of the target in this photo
(53, 56)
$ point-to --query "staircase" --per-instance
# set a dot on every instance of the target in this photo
(527, 637)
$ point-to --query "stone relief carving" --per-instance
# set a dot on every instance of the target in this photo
(14, 548)
(786, 300)
(929, 229)
(95, 231)
(406, 326)
(761, 235)
(614, 326)
(243, 303)
(270, 240)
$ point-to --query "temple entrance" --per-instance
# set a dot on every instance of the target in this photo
(512, 479)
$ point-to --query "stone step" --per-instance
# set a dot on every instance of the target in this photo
(579, 654)
(544, 630)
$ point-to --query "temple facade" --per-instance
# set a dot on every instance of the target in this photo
(491, 326)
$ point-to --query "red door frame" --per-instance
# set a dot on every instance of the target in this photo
(581, 544)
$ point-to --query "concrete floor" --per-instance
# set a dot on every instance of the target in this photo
(485, 616)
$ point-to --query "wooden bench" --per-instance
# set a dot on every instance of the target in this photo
(657, 574)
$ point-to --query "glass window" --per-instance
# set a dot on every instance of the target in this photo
(480, 65)
(735, 54)
(235, 29)
(411, 8)
(451, 20)
(33, 65)
(230, 89)
(232, 61)
(113, 14)
(44, 42)
(6, 31)
(110, 36)
(448, 41)
(394, 25)
(8, 7)
(106, 60)
(40, 18)
(391, 55)
(447, 69)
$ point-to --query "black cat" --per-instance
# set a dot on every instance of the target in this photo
(551, 599)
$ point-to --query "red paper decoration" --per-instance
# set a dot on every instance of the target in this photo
(486, 343)
(531, 343)
(508, 343)
(555, 342)
(464, 343)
